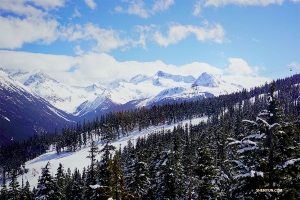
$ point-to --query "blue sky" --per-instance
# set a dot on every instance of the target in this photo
(88, 41)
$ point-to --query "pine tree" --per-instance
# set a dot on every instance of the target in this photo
(118, 188)
(60, 180)
(91, 173)
(137, 176)
(76, 191)
(174, 172)
(3, 191)
(205, 172)
(47, 188)
(14, 187)
(268, 157)
(26, 194)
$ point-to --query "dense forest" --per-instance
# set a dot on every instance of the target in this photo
(248, 149)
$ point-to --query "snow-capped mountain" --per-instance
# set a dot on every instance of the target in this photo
(206, 80)
(24, 113)
(61, 96)
(144, 90)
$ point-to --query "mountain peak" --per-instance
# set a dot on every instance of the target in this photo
(138, 78)
(207, 80)
(39, 77)
(176, 78)
(162, 74)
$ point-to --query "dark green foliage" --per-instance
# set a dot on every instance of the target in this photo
(14, 187)
(47, 188)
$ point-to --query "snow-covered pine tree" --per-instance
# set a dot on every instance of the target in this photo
(14, 187)
(205, 172)
(60, 180)
(103, 171)
(46, 188)
(76, 191)
(174, 172)
(118, 187)
(248, 165)
(268, 157)
(26, 193)
(136, 175)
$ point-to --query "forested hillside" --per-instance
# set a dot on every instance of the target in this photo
(248, 149)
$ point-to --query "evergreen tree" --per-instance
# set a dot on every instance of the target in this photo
(26, 194)
(137, 177)
(14, 187)
(205, 172)
(47, 188)
(268, 158)
(60, 180)
(118, 188)
(76, 191)
(3, 191)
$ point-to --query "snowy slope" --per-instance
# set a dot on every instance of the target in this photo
(78, 159)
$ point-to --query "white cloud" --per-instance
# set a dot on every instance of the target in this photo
(295, 65)
(197, 8)
(137, 7)
(162, 5)
(76, 13)
(255, 40)
(104, 39)
(94, 67)
(30, 22)
(78, 50)
(218, 3)
(144, 32)
(295, 1)
(21, 7)
(239, 66)
(91, 4)
(242, 74)
(15, 31)
(178, 32)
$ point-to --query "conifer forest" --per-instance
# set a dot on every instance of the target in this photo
(249, 148)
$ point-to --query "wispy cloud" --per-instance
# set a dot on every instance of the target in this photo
(137, 7)
(162, 5)
(104, 39)
(218, 3)
(295, 1)
(178, 32)
(76, 13)
(255, 40)
(78, 50)
(91, 4)
(295, 65)
(197, 8)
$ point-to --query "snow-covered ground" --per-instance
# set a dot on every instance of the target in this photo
(78, 159)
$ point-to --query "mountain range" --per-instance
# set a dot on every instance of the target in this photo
(28, 95)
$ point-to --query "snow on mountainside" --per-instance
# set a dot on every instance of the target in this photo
(143, 89)
(176, 78)
(24, 113)
(79, 158)
(61, 96)
(206, 80)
